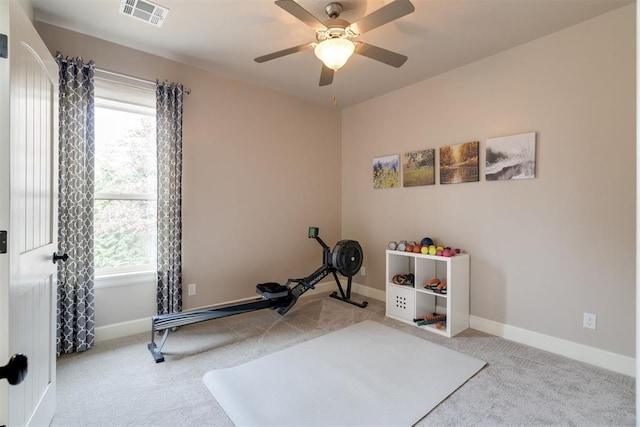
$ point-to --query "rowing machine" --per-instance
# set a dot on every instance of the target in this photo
(346, 259)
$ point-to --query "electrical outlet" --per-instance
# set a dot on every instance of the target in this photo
(363, 272)
(192, 289)
(589, 320)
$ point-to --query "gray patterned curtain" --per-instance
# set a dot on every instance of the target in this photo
(75, 330)
(169, 98)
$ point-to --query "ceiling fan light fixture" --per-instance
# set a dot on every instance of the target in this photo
(334, 52)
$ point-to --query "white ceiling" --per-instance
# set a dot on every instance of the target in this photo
(225, 35)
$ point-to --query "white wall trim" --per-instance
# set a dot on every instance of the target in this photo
(605, 359)
(369, 292)
(123, 329)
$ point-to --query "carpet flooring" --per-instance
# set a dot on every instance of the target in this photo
(117, 383)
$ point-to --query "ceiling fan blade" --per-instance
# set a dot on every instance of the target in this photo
(379, 54)
(392, 11)
(284, 52)
(326, 76)
(301, 13)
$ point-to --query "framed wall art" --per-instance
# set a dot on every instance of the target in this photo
(511, 157)
(459, 163)
(386, 171)
(419, 168)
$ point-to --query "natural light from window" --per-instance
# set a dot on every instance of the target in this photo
(125, 188)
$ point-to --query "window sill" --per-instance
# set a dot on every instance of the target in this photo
(125, 279)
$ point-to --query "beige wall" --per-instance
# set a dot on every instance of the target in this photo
(543, 251)
(259, 169)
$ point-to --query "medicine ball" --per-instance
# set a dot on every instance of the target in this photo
(427, 241)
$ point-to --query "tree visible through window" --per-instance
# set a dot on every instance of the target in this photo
(125, 188)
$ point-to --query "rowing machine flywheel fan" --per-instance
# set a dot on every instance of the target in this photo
(347, 257)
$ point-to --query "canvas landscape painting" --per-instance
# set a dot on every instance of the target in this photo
(459, 163)
(418, 168)
(511, 157)
(386, 171)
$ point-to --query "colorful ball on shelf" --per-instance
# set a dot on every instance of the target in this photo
(425, 250)
(416, 249)
(427, 241)
(409, 247)
(432, 250)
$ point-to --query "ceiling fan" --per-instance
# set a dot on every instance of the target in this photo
(335, 39)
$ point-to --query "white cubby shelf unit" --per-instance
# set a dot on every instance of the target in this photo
(406, 303)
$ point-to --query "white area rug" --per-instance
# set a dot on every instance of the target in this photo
(367, 374)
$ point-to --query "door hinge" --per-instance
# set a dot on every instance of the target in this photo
(3, 242)
(4, 46)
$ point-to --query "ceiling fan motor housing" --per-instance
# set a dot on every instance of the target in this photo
(333, 10)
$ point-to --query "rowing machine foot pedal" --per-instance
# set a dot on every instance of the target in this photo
(272, 290)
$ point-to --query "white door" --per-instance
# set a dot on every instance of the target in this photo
(32, 220)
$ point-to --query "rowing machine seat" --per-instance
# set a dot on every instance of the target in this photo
(272, 290)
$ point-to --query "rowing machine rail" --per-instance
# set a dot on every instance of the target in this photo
(167, 322)
(345, 259)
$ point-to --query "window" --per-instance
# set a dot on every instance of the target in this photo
(125, 185)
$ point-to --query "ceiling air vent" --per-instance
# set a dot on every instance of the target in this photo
(144, 11)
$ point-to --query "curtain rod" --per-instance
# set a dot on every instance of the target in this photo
(113, 73)
(137, 79)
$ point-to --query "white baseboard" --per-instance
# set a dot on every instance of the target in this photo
(368, 292)
(123, 329)
(594, 356)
